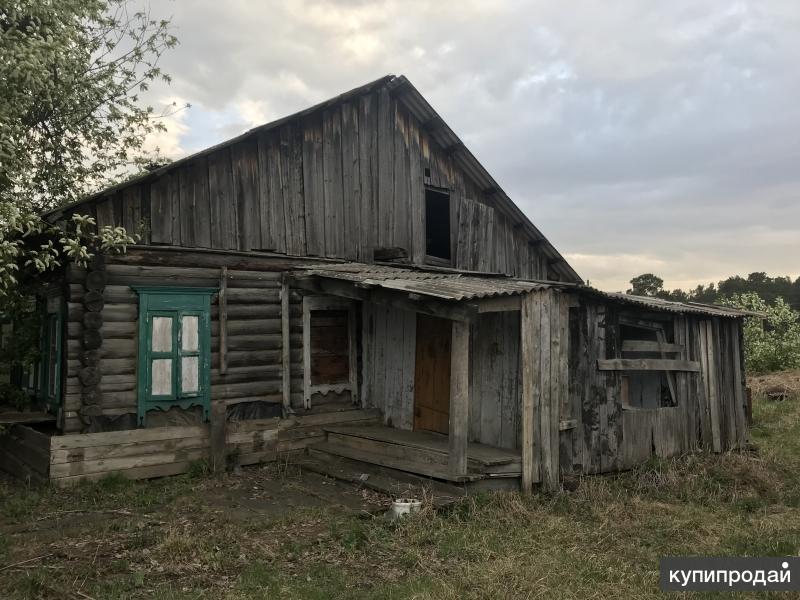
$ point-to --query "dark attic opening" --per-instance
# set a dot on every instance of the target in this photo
(437, 224)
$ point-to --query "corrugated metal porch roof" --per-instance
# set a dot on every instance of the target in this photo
(444, 285)
(456, 286)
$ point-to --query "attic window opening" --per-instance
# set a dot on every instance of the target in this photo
(437, 224)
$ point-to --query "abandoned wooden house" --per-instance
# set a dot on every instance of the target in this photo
(349, 282)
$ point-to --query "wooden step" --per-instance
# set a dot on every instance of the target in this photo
(423, 446)
(394, 483)
(408, 465)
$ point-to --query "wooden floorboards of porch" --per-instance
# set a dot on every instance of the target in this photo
(418, 452)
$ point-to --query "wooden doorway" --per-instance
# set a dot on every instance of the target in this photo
(432, 374)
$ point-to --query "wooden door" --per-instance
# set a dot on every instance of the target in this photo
(432, 374)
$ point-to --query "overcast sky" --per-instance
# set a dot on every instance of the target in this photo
(639, 135)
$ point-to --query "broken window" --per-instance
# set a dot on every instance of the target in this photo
(437, 224)
(647, 389)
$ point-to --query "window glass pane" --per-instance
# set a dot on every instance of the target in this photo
(189, 374)
(189, 333)
(162, 377)
(162, 334)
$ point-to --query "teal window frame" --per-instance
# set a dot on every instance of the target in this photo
(52, 401)
(176, 303)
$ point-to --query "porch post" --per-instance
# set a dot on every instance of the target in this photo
(530, 326)
(459, 399)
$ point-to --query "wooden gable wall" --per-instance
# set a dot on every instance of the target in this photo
(337, 183)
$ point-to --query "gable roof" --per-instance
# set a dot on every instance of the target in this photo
(417, 105)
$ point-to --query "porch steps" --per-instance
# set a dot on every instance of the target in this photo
(394, 483)
(423, 447)
(408, 465)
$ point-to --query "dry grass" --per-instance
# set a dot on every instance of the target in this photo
(602, 540)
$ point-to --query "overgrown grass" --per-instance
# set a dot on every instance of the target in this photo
(601, 541)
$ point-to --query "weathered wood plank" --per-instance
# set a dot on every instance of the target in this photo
(333, 191)
(647, 364)
(223, 207)
(313, 186)
(246, 193)
(459, 399)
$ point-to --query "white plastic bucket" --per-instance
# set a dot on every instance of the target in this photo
(402, 507)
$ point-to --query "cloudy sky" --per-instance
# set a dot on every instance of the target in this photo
(639, 135)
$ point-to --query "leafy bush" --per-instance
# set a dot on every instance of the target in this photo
(773, 345)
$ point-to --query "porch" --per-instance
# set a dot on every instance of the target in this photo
(422, 453)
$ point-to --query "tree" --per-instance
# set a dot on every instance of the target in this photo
(646, 284)
(71, 121)
(72, 73)
(775, 344)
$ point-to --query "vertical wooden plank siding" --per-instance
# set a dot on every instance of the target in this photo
(459, 399)
(333, 192)
(224, 218)
(291, 159)
(246, 193)
(338, 182)
(313, 186)
(272, 186)
(386, 149)
(351, 181)
(368, 176)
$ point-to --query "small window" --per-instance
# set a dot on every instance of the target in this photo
(174, 349)
(646, 389)
(328, 347)
(437, 224)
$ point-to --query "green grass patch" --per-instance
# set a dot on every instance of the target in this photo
(166, 539)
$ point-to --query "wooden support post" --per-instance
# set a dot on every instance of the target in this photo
(223, 321)
(285, 347)
(530, 324)
(459, 399)
(219, 421)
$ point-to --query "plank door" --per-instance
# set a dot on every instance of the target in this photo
(432, 374)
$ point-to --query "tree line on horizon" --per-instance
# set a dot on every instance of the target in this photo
(768, 289)
(772, 341)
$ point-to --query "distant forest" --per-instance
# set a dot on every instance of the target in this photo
(768, 288)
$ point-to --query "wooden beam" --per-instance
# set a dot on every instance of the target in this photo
(530, 324)
(499, 304)
(647, 346)
(286, 363)
(647, 364)
(459, 400)
(454, 311)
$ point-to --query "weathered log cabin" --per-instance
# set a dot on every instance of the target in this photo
(350, 282)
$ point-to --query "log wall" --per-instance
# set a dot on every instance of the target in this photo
(338, 182)
(252, 385)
